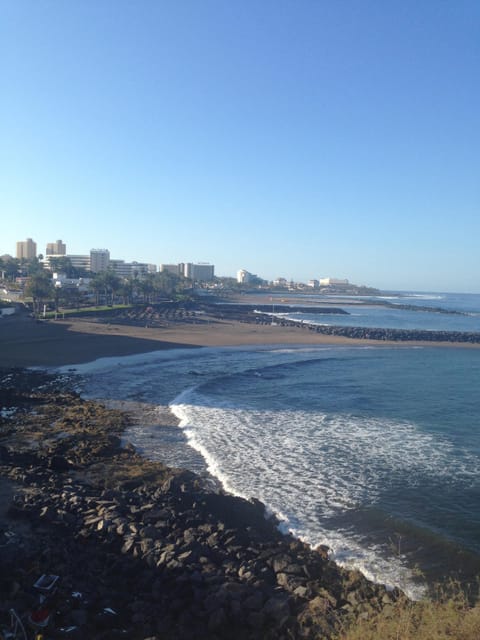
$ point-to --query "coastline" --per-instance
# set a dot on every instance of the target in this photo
(151, 551)
(61, 343)
(25, 342)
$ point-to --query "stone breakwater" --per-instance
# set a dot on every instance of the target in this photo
(397, 335)
(258, 315)
(143, 550)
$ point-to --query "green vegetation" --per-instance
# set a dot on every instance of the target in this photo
(87, 310)
(447, 617)
(106, 288)
(40, 288)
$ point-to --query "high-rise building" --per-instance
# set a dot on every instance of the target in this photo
(201, 271)
(99, 260)
(27, 249)
(57, 248)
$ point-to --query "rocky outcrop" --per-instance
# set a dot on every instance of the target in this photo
(144, 551)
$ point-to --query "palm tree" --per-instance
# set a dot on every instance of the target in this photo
(9, 268)
(112, 284)
(126, 290)
(166, 283)
(108, 282)
(40, 288)
(147, 287)
(97, 285)
(62, 264)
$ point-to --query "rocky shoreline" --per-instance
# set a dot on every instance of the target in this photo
(398, 335)
(143, 550)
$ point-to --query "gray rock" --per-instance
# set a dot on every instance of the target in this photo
(281, 562)
(277, 609)
(254, 602)
(217, 620)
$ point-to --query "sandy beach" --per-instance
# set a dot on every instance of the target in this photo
(25, 342)
(73, 501)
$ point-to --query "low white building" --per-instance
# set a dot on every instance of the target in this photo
(129, 269)
(328, 282)
(60, 281)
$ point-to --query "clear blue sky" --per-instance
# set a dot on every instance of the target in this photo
(294, 138)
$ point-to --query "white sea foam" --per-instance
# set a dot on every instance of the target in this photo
(426, 296)
(311, 467)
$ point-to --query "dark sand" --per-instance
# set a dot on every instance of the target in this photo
(25, 342)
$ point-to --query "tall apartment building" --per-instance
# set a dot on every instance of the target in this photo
(57, 248)
(201, 271)
(99, 260)
(27, 249)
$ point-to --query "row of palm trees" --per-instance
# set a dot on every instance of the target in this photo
(108, 288)
(147, 287)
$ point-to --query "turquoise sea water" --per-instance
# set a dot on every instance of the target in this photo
(374, 451)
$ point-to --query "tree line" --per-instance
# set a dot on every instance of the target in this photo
(107, 287)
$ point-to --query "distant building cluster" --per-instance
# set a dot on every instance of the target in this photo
(99, 260)
(322, 283)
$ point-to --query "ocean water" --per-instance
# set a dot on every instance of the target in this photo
(436, 312)
(374, 451)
